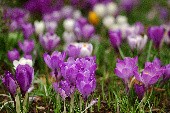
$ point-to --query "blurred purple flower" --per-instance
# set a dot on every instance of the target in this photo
(115, 38)
(27, 30)
(9, 83)
(156, 33)
(73, 51)
(151, 73)
(140, 90)
(128, 5)
(166, 75)
(88, 31)
(24, 77)
(27, 46)
(13, 55)
(125, 68)
(139, 28)
(49, 41)
(64, 88)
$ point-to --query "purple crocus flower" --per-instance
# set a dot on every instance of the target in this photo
(125, 68)
(139, 28)
(156, 33)
(28, 30)
(27, 46)
(86, 83)
(55, 60)
(73, 51)
(151, 73)
(49, 41)
(24, 77)
(13, 55)
(115, 38)
(88, 31)
(128, 5)
(64, 88)
(9, 83)
(166, 75)
(140, 90)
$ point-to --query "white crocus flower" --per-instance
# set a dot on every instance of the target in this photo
(69, 24)
(108, 21)
(111, 8)
(86, 49)
(39, 27)
(77, 14)
(137, 41)
(22, 61)
(100, 9)
(121, 19)
(51, 25)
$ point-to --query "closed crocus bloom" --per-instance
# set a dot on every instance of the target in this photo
(166, 75)
(111, 8)
(100, 9)
(67, 11)
(49, 41)
(9, 83)
(55, 60)
(88, 31)
(77, 14)
(139, 28)
(115, 38)
(137, 41)
(51, 26)
(156, 33)
(140, 90)
(151, 73)
(125, 68)
(27, 46)
(39, 27)
(69, 24)
(69, 37)
(24, 77)
(13, 55)
(108, 21)
(64, 88)
(27, 30)
(121, 19)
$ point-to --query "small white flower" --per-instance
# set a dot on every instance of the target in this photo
(121, 19)
(39, 27)
(137, 41)
(76, 14)
(108, 21)
(69, 25)
(111, 8)
(22, 61)
(51, 25)
(69, 37)
(100, 9)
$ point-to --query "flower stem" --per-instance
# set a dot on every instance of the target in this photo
(72, 103)
(149, 50)
(121, 53)
(80, 102)
(64, 106)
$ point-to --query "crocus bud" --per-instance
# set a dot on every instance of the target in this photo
(100, 10)
(27, 30)
(49, 41)
(27, 46)
(108, 21)
(13, 55)
(115, 38)
(156, 34)
(9, 83)
(39, 27)
(69, 25)
(140, 90)
(24, 77)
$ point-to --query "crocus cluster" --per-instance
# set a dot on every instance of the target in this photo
(74, 74)
(23, 78)
(152, 72)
